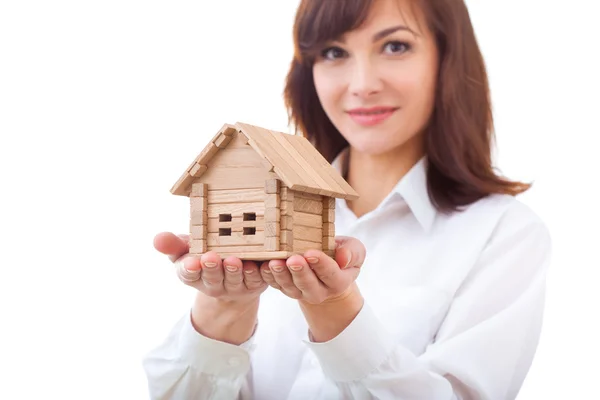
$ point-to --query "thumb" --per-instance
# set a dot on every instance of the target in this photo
(172, 245)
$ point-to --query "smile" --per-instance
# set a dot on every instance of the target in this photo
(371, 116)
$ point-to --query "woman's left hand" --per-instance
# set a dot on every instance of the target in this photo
(315, 277)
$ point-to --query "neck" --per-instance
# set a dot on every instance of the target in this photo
(374, 176)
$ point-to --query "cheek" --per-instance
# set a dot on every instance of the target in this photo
(327, 89)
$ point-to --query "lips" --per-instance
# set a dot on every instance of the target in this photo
(371, 116)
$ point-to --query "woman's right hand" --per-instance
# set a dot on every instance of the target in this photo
(226, 305)
(228, 280)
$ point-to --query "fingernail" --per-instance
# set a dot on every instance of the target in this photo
(248, 271)
(231, 268)
(266, 270)
(210, 264)
(296, 267)
(277, 268)
(312, 260)
(349, 256)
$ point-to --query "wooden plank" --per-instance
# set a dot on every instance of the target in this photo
(329, 215)
(272, 186)
(256, 255)
(328, 229)
(198, 170)
(287, 194)
(225, 196)
(236, 158)
(272, 229)
(308, 233)
(198, 218)
(337, 183)
(236, 249)
(272, 215)
(236, 239)
(294, 151)
(328, 243)
(198, 231)
(272, 200)
(219, 178)
(303, 245)
(287, 222)
(198, 203)
(207, 153)
(236, 209)
(199, 189)
(222, 140)
(308, 206)
(287, 240)
(310, 196)
(329, 202)
(287, 207)
(272, 152)
(198, 246)
(305, 219)
(272, 243)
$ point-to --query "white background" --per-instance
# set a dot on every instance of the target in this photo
(103, 104)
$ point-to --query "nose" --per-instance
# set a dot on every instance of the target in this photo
(364, 79)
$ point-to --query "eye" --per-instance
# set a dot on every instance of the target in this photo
(396, 47)
(332, 53)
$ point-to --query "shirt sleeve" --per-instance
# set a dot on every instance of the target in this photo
(188, 365)
(485, 345)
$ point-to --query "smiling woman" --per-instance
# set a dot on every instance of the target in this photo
(436, 288)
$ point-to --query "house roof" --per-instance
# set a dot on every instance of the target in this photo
(293, 158)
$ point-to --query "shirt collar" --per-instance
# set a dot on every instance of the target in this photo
(412, 188)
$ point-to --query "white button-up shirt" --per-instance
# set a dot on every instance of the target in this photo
(453, 310)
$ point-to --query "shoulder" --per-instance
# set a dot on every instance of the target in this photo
(510, 221)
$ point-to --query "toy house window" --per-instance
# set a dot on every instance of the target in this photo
(249, 216)
(224, 217)
(250, 231)
(224, 231)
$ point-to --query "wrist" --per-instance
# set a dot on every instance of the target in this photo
(224, 320)
(328, 319)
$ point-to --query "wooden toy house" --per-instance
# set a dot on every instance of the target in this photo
(258, 194)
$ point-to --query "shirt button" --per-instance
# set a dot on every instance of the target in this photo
(234, 361)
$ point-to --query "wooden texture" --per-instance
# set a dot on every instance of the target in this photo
(272, 216)
(305, 219)
(301, 246)
(297, 162)
(286, 223)
(236, 239)
(328, 226)
(198, 206)
(230, 196)
(252, 254)
(309, 206)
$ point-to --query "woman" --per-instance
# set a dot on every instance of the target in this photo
(449, 300)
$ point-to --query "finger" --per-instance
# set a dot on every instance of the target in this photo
(252, 277)
(304, 278)
(283, 278)
(188, 269)
(212, 272)
(267, 275)
(349, 252)
(171, 245)
(234, 280)
(325, 268)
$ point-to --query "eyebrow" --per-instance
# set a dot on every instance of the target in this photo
(389, 31)
(386, 32)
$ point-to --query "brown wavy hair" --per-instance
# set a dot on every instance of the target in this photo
(460, 133)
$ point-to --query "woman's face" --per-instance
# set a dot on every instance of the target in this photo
(377, 83)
